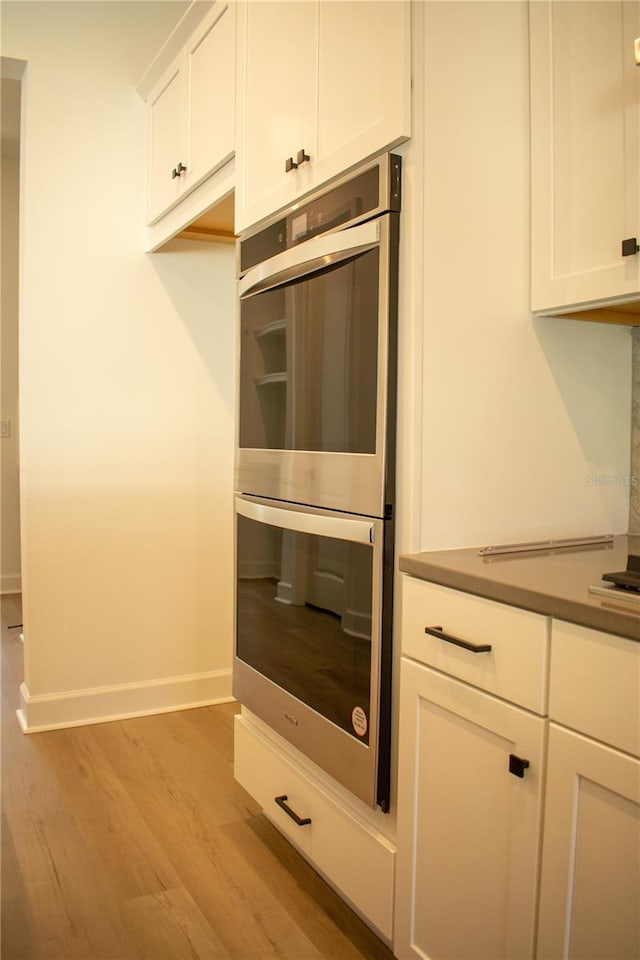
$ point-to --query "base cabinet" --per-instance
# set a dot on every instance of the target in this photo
(468, 828)
(590, 885)
(334, 834)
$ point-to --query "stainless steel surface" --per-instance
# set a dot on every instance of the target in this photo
(616, 594)
(289, 517)
(527, 547)
(354, 483)
(350, 761)
(336, 481)
(321, 492)
(309, 257)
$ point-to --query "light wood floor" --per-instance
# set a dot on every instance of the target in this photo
(131, 840)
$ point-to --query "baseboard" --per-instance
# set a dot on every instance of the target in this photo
(10, 583)
(103, 704)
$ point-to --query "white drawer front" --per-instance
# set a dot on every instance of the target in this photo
(595, 684)
(353, 857)
(516, 666)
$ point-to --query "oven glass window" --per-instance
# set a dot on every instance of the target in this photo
(309, 362)
(304, 613)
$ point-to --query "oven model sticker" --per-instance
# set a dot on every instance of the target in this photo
(359, 721)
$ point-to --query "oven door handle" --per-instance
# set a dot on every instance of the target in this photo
(309, 257)
(339, 528)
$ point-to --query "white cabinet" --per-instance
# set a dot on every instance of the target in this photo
(474, 854)
(331, 829)
(166, 137)
(470, 777)
(590, 888)
(468, 828)
(585, 161)
(590, 883)
(321, 86)
(192, 112)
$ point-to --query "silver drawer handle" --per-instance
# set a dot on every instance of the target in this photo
(439, 633)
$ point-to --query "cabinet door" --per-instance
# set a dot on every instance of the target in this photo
(585, 121)
(468, 829)
(276, 79)
(210, 64)
(167, 134)
(590, 886)
(364, 81)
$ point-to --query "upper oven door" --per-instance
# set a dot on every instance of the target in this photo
(314, 371)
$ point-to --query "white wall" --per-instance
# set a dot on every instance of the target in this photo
(127, 386)
(517, 414)
(10, 481)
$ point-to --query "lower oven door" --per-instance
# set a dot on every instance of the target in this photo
(308, 658)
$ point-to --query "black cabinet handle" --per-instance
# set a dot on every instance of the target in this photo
(439, 633)
(630, 247)
(302, 156)
(178, 171)
(282, 802)
(290, 164)
(517, 765)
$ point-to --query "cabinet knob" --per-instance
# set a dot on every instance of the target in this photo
(630, 247)
(517, 765)
(290, 164)
(178, 171)
(302, 156)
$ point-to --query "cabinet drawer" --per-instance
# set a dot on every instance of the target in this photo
(595, 684)
(515, 668)
(351, 855)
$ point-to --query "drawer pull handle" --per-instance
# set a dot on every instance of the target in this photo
(465, 644)
(517, 765)
(282, 802)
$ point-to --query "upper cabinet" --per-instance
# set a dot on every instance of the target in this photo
(321, 86)
(585, 158)
(192, 112)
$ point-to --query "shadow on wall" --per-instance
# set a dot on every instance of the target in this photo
(10, 103)
(199, 278)
(589, 365)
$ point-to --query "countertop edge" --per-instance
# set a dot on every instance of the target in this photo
(609, 618)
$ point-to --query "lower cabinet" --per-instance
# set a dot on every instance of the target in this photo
(469, 817)
(335, 835)
(590, 885)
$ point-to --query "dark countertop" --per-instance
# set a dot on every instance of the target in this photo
(553, 582)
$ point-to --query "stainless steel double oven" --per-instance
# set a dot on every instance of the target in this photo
(314, 474)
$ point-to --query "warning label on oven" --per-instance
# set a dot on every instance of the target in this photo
(359, 721)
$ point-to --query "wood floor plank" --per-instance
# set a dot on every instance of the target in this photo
(329, 923)
(221, 882)
(131, 859)
(132, 841)
(169, 926)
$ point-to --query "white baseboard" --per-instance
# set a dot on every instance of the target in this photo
(10, 583)
(76, 708)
